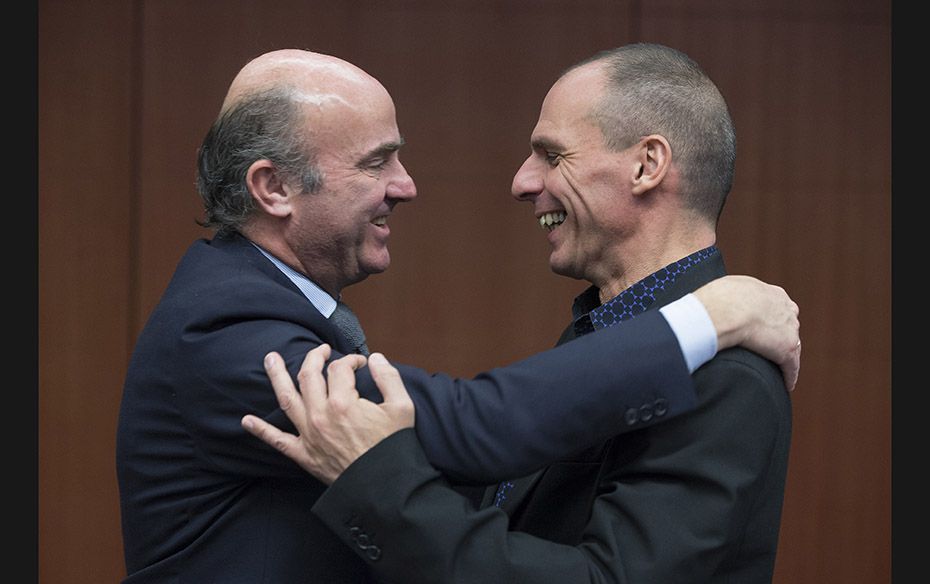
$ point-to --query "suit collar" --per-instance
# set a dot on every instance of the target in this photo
(238, 245)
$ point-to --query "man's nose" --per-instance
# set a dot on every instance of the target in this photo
(402, 186)
(528, 182)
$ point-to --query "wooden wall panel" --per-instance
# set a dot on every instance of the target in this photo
(85, 193)
(810, 92)
(469, 286)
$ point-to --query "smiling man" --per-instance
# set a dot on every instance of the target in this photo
(299, 175)
(632, 159)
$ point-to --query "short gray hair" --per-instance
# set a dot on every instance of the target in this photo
(265, 125)
(654, 89)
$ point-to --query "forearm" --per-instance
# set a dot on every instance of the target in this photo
(511, 420)
(415, 529)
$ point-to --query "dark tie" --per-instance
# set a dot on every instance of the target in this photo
(346, 321)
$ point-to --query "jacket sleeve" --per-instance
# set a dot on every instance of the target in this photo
(510, 420)
(501, 423)
(413, 528)
(673, 502)
(703, 496)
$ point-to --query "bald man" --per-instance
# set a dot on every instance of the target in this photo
(299, 175)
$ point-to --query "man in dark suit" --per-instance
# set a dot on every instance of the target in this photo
(299, 175)
(632, 159)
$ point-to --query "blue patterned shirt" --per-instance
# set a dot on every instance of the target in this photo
(590, 315)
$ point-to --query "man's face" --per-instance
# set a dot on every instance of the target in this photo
(342, 231)
(578, 187)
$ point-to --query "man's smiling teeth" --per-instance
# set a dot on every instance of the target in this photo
(380, 221)
(549, 221)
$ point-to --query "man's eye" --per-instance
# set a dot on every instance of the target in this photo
(552, 158)
(378, 164)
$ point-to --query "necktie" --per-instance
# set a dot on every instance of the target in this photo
(346, 321)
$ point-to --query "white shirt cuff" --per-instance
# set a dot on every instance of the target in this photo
(693, 328)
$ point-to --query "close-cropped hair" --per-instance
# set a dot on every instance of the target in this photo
(654, 89)
(264, 125)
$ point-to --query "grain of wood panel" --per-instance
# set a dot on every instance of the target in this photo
(85, 193)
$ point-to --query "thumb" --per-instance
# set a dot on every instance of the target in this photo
(388, 379)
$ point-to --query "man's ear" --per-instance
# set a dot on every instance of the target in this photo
(268, 189)
(653, 160)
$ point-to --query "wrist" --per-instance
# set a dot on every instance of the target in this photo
(723, 314)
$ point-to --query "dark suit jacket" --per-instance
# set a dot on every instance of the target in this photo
(203, 501)
(695, 500)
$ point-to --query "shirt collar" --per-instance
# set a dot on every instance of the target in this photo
(589, 314)
(318, 297)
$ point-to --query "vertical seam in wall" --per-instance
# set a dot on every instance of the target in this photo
(135, 163)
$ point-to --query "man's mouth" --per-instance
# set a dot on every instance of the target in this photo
(551, 220)
(380, 221)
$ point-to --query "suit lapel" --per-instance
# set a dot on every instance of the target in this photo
(237, 244)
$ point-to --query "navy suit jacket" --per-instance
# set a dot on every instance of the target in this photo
(204, 501)
(696, 500)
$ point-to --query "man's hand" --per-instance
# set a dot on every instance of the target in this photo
(336, 425)
(759, 316)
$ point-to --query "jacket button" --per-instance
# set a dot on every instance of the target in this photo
(661, 407)
(374, 552)
(632, 416)
(362, 541)
(645, 412)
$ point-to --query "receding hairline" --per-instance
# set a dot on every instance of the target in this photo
(312, 77)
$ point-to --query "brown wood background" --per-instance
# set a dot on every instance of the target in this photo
(127, 90)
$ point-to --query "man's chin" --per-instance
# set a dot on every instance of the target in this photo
(375, 267)
(365, 271)
(564, 269)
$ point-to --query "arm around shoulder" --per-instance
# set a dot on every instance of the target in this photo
(512, 420)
